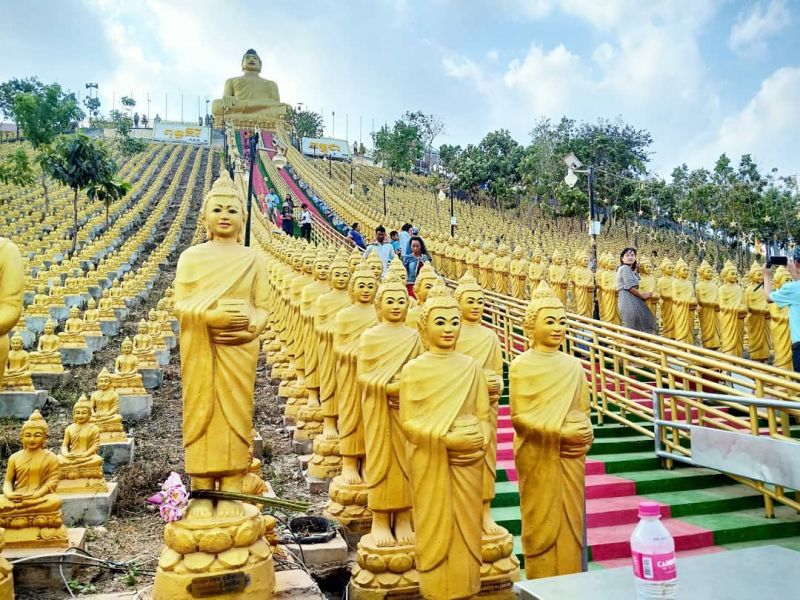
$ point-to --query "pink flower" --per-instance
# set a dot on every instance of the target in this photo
(172, 499)
(170, 513)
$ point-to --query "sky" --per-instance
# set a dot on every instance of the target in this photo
(703, 76)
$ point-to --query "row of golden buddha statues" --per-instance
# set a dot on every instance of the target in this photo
(400, 397)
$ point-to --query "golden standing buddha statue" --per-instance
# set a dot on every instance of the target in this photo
(758, 339)
(648, 283)
(17, 377)
(684, 304)
(105, 410)
(536, 271)
(732, 311)
(557, 276)
(485, 273)
(707, 294)
(518, 272)
(30, 510)
(12, 281)
(445, 415)
(502, 269)
(221, 301)
(553, 433)
(422, 286)
(80, 467)
(665, 293)
(583, 286)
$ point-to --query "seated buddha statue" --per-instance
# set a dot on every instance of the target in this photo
(29, 506)
(40, 303)
(17, 377)
(155, 331)
(73, 335)
(127, 380)
(163, 318)
(105, 410)
(47, 358)
(117, 300)
(106, 307)
(72, 283)
(91, 319)
(249, 97)
(143, 347)
(80, 468)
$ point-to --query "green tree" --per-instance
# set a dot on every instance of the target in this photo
(126, 143)
(399, 147)
(10, 89)
(16, 169)
(429, 127)
(306, 123)
(108, 191)
(42, 114)
(449, 156)
(93, 106)
(79, 162)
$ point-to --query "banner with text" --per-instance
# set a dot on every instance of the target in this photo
(326, 147)
(187, 134)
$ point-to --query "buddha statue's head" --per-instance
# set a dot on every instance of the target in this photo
(470, 299)
(645, 266)
(440, 320)
(91, 304)
(681, 269)
(474, 245)
(557, 257)
(169, 292)
(729, 274)
(391, 300)
(141, 327)
(127, 346)
(74, 313)
(34, 432)
(50, 327)
(424, 282)
(537, 255)
(16, 342)
(251, 62)
(397, 270)
(223, 212)
(308, 261)
(297, 261)
(375, 264)
(103, 379)
(151, 315)
(40, 290)
(755, 274)
(340, 272)
(518, 253)
(667, 269)
(82, 410)
(502, 250)
(545, 322)
(322, 266)
(705, 271)
(354, 260)
(115, 283)
(363, 285)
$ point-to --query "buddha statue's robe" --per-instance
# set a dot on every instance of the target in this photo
(609, 311)
(47, 357)
(79, 440)
(665, 284)
(583, 286)
(127, 378)
(518, 273)
(683, 304)
(758, 340)
(781, 338)
(502, 268)
(483, 345)
(471, 261)
(708, 313)
(308, 308)
(73, 335)
(557, 275)
(35, 475)
(535, 274)
(485, 272)
(297, 341)
(648, 283)
(217, 379)
(327, 307)
(549, 399)
(732, 309)
(440, 392)
(383, 351)
(257, 99)
(460, 261)
(347, 329)
(143, 350)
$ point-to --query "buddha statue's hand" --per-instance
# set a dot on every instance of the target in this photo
(15, 497)
(228, 101)
(233, 338)
(464, 442)
(226, 319)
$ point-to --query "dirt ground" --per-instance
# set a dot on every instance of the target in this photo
(133, 536)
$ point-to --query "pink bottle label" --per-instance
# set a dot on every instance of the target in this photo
(654, 567)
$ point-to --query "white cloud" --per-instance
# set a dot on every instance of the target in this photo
(751, 31)
(768, 127)
(492, 55)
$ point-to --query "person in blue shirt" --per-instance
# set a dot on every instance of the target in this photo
(788, 295)
(405, 239)
(355, 236)
(382, 247)
(395, 239)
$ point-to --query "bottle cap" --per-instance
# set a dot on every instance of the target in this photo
(649, 509)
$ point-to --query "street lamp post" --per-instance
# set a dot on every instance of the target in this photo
(382, 183)
(352, 185)
(574, 166)
(253, 148)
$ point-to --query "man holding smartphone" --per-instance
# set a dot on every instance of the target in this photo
(788, 296)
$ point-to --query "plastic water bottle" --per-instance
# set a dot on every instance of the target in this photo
(653, 554)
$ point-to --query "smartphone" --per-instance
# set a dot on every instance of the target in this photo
(773, 261)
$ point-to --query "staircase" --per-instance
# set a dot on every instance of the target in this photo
(704, 510)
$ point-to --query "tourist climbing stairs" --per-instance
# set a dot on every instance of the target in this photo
(705, 510)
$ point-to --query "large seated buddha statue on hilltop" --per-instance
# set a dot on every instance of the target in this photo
(249, 97)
